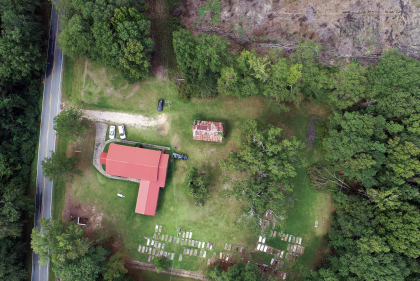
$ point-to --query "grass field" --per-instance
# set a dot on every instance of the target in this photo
(215, 221)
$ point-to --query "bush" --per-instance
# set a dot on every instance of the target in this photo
(161, 264)
(197, 184)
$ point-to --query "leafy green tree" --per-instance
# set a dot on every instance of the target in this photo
(11, 256)
(85, 268)
(20, 44)
(69, 124)
(403, 160)
(115, 267)
(242, 272)
(59, 166)
(268, 159)
(383, 266)
(401, 229)
(113, 33)
(352, 145)
(58, 242)
(200, 61)
(136, 49)
(77, 38)
(161, 263)
(351, 86)
(135, 65)
(197, 184)
(13, 201)
(315, 81)
(126, 14)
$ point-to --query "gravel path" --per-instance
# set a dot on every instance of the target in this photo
(127, 119)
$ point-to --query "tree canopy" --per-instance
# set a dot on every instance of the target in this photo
(374, 148)
(60, 166)
(113, 33)
(22, 62)
(238, 272)
(197, 184)
(200, 60)
(69, 125)
(269, 161)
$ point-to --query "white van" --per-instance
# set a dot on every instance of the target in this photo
(121, 130)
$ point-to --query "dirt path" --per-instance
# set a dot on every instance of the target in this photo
(127, 119)
(179, 272)
(84, 80)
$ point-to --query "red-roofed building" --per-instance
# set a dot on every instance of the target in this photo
(149, 166)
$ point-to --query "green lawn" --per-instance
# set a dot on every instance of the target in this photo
(215, 222)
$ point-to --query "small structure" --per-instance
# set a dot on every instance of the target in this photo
(208, 131)
(82, 221)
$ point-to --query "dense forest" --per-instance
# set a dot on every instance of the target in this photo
(372, 165)
(370, 141)
(22, 63)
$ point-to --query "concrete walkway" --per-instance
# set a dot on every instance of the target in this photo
(100, 143)
(178, 272)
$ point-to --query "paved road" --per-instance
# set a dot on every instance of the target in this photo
(50, 108)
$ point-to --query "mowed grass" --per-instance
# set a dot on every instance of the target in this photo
(215, 221)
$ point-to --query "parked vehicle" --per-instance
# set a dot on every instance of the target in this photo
(179, 156)
(121, 130)
(121, 195)
(112, 132)
(160, 105)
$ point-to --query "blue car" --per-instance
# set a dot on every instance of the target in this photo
(179, 156)
(160, 105)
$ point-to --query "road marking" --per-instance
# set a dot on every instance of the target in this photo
(48, 130)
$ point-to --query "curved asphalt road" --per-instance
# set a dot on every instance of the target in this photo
(50, 108)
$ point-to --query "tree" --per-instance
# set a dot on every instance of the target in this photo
(197, 184)
(351, 86)
(84, 268)
(382, 266)
(60, 166)
(161, 263)
(352, 145)
(115, 267)
(314, 82)
(200, 61)
(401, 229)
(11, 257)
(242, 272)
(69, 124)
(268, 160)
(135, 65)
(59, 242)
(403, 160)
(113, 33)
(20, 43)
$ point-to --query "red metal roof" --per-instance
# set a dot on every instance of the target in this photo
(132, 162)
(147, 198)
(208, 131)
(163, 166)
(149, 166)
(102, 158)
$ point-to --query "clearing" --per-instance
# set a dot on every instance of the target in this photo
(94, 195)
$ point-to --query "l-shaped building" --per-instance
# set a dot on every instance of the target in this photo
(148, 166)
